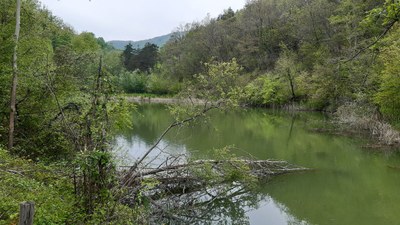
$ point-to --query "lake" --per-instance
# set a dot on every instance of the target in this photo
(350, 184)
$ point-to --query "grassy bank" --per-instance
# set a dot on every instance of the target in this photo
(47, 186)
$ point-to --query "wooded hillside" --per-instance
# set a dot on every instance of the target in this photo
(319, 53)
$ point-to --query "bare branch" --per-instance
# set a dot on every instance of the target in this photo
(373, 43)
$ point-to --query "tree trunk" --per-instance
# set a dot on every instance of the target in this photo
(15, 78)
(291, 84)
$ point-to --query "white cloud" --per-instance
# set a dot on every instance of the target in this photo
(135, 19)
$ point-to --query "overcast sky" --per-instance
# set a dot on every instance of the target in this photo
(135, 19)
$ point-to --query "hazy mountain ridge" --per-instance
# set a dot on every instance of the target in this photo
(159, 41)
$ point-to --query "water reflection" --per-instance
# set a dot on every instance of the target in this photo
(226, 203)
(349, 186)
(135, 147)
(222, 204)
(273, 213)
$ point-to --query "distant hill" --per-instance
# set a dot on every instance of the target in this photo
(160, 41)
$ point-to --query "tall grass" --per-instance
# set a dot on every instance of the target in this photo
(367, 118)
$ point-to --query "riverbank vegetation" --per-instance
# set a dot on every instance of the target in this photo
(320, 54)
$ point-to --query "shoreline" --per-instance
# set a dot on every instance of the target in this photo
(160, 100)
(142, 99)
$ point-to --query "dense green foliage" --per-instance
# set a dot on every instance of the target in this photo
(141, 82)
(65, 81)
(133, 82)
(388, 96)
(48, 186)
(143, 59)
(319, 53)
(58, 74)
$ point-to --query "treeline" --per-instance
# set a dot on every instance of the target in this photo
(140, 59)
(63, 114)
(321, 53)
(141, 72)
(57, 69)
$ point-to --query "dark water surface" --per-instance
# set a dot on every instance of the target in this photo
(350, 185)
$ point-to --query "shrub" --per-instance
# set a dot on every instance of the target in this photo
(264, 91)
(134, 82)
(159, 84)
(388, 96)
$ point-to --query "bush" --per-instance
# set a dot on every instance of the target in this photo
(388, 96)
(134, 82)
(161, 85)
(265, 91)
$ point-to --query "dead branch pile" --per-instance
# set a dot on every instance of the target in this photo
(188, 192)
(185, 172)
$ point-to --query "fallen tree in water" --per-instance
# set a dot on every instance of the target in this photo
(260, 169)
(200, 191)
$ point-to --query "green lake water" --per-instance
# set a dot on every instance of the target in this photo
(349, 186)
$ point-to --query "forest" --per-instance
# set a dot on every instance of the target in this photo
(320, 54)
(62, 93)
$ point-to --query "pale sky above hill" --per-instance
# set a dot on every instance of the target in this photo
(135, 19)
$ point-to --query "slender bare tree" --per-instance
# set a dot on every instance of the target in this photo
(14, 77)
